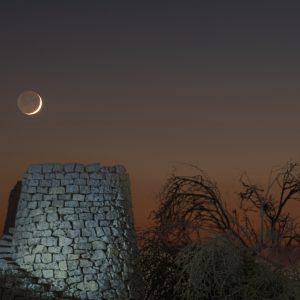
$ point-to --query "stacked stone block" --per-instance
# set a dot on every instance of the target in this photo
(74, 229)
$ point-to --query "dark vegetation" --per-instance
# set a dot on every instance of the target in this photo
(21, 285)
(200, 249)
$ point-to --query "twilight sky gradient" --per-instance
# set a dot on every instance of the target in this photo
(148, 84)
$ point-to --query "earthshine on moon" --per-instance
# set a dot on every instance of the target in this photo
(30, 103)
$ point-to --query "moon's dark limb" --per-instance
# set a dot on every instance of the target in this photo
(29, 102)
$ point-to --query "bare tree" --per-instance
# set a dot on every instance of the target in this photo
(192, 206)
(278, 229)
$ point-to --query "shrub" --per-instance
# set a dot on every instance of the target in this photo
(222, 268)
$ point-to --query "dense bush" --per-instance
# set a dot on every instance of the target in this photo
(213, 269)
(199, 249)
(222, 268)
(158, 266)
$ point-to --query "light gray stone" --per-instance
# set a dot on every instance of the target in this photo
(46, 258)
(51, 217)
(59, 274)
(50, 209)
(69, 168)
(33, 241)
(65, 197)
(74, 279)
(54, 249)
(31, 190)
(73, 233)
(87, 232)
(89, 270)
(73, 256)
(45, 183)
(38, 259)
(84, 263)
(91, 224)
(47, 274)
(67, 182)
(98, 255)
(107, 231)
(40, 218)
(57, 203)
(116, 232)
(88, 286)
(55, 183)
(79, 168)
(93, 182)
(42, 233)
(49, 176)
(96, 167)
(70, 217)
(99, 231)
(66, 211)
(65, 241)
(72, 175)
(84, 189)
(33, 182)
(44, 204)
(65, 225)
(81, 240)
(99, 245)
(42, 190)
(80, 181)
(57, 190)
(74, 189)
(67, 250)
(37, 273)
(82, 246)
(63, 265)
(37, 197)
(86, 216)
(59, 232)
(50, 198)
(42, 225)
(96, 175)
(36, 212)
(59, 257)
(29, 259)
(32, 205)
(39, 249)
(59, 176)
(49, 241)
(47, 168)
(78, 224)
(72, 264)
(78, 197)
(111, 215)
(57, 167)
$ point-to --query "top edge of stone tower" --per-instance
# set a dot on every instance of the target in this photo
(74, 167)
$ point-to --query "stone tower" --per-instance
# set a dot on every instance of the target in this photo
(74, 229)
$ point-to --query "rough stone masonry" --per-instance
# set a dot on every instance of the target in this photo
(74, 229)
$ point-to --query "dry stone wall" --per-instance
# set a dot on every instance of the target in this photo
(74, 229)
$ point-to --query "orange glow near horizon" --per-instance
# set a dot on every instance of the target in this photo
(151, 85)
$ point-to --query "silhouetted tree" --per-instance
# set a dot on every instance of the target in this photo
(277, 228)
(192, 208)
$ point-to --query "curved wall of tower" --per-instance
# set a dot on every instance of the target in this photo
(74, 229)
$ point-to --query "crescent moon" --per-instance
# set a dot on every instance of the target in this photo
(38, 109)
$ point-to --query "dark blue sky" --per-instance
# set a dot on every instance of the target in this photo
(148, 84)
